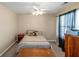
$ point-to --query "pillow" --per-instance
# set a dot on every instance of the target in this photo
(29, 32)
(33, 33)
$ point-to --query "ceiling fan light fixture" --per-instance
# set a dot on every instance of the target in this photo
(33, 13)
(38, 13)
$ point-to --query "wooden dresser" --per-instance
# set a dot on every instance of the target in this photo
(71, 46)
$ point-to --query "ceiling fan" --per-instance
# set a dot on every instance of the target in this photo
(38, 11)
(35, 8)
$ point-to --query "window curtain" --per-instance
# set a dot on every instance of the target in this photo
(66, 23)
(76, 24)
(69, 20)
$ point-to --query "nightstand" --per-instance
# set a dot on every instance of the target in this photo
(20, 37)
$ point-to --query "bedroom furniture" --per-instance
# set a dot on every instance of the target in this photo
(71, 45)
(36, 52)
(20, 36)
(33, 44)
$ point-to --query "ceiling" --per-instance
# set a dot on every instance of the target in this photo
(27, 7)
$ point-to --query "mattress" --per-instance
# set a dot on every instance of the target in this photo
(33, 42)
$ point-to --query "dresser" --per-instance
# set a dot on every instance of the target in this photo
(71, 45)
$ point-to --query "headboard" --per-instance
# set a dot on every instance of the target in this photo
(31, 32)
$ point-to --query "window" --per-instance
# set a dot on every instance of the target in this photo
(66, 22)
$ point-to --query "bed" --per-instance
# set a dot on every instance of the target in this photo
(34, 44)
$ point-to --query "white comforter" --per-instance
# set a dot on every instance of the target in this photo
(33, 42)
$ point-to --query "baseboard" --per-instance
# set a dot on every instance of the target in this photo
(7, 48)
(53, 51)
(51, 40)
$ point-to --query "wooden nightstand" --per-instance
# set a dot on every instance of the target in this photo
(20, 37)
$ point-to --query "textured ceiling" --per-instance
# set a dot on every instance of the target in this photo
(27, 7)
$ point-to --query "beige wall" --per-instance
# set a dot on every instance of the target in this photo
(7, 27)
(45, 23)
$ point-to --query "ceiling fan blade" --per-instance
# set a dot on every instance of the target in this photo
(35, 8)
